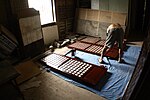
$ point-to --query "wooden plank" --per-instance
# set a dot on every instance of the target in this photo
(82, 13)
(79, 45)
(105, 16)
(119, 18)
(27, 70)
(92, 15)
(91, 40)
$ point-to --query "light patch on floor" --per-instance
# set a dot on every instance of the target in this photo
(62, 51)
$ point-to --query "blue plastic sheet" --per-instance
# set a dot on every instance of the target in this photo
(112, 86)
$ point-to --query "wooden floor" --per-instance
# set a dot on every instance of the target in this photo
(54, 88)
(47, 86)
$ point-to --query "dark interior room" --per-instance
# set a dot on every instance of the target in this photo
(51, 50)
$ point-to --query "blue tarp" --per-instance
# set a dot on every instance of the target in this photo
(113, 85)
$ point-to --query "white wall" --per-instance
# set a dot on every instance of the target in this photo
(50, 34)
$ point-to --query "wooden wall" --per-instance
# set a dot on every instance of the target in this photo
(138, 86)
(17, 5)
(9, 8)
(65, 15)
(4, 12)
(95, 21)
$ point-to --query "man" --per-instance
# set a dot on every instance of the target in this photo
(114, 34)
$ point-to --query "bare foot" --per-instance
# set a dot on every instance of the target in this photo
(100, 60)
(119, 60)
